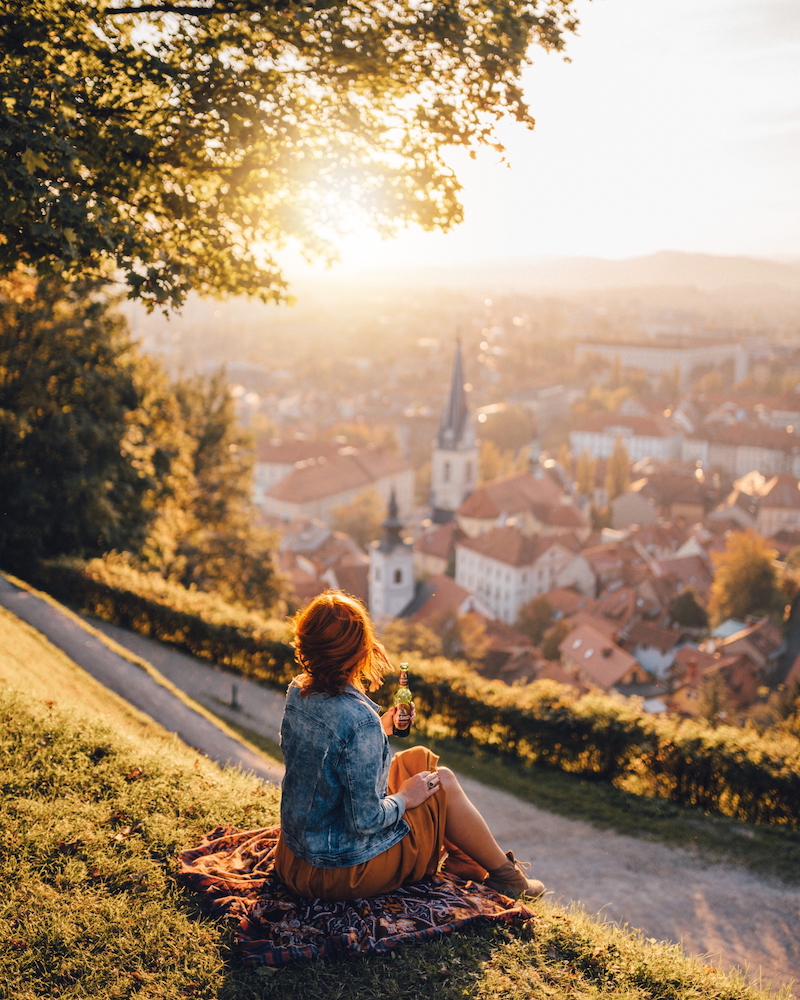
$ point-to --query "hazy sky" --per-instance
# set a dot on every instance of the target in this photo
(675, 127)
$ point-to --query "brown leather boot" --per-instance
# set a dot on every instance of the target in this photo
(510, 879)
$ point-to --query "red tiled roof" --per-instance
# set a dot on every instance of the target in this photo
(691, 571)
(508, 545)
(688, 657)
(596, 656)
(598, 423)
(278, 452)
(780, 491)
(619, 605)
(438, 542)
(750, 436)
(764, 635)
(568, 601)
(569, 540)
(503, 636)
(669, 488)
(510, 495)
(602, 625)
(561, 516)
(322, 477)
(446, 599)
(647, 634)
(660, 535)
(550, 670)
(352, 575)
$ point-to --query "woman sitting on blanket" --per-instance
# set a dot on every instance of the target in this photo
(354, 821)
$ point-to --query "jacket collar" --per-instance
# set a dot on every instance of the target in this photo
(352, 689)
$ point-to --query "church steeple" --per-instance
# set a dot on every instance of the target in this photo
(392, 527)
(455, 413)
(391, 568)
(455, 455)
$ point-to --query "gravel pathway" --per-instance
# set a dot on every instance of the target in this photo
(721, 913)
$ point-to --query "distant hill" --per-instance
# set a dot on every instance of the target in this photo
(663, 269)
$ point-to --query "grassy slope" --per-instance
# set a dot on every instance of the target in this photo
(88, 911)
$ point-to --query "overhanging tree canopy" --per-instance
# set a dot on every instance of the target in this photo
(185, 142)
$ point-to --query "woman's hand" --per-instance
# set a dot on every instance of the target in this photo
(419, 787)
(387, 719)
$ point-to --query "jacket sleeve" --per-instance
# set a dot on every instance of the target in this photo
(371, 811)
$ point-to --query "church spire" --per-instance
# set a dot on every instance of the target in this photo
(455, 413)
(392, 527)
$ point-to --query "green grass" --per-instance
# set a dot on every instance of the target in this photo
(762, 849)
(97, 801)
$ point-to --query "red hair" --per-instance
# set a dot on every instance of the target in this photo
(334, 642)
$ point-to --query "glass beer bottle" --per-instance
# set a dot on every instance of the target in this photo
(402, 699)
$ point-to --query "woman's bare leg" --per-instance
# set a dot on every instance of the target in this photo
(466, 828)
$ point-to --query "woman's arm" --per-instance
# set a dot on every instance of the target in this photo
(370, 811)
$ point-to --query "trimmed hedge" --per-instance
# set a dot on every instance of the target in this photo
(729, 770)
(194, 622)
(733, 771)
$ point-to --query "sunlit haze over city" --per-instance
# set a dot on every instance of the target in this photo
(673, 127)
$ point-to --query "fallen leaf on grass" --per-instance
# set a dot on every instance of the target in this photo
(18, 944)
(129, 831)
(94, 871)
(69, 846)
(135, 773)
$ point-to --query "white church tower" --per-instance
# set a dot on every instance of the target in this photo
(454, 472)
(391, 569)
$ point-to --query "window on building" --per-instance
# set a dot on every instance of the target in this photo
(447, 472)
(398, 576)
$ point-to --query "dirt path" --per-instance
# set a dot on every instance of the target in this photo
(720, 911)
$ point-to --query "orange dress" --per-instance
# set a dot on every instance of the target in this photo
(418, 854)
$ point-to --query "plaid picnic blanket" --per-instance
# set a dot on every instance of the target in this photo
(232, 869)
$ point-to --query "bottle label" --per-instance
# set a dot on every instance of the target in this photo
(402, 719)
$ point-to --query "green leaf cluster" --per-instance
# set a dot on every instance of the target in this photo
(75, 471)
(745, 578)
(183, 144)
(100, 453)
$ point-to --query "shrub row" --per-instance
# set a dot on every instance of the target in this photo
(194, 622)
(736, 772)
(728, 770)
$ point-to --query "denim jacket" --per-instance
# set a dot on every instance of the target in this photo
(335, 811)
